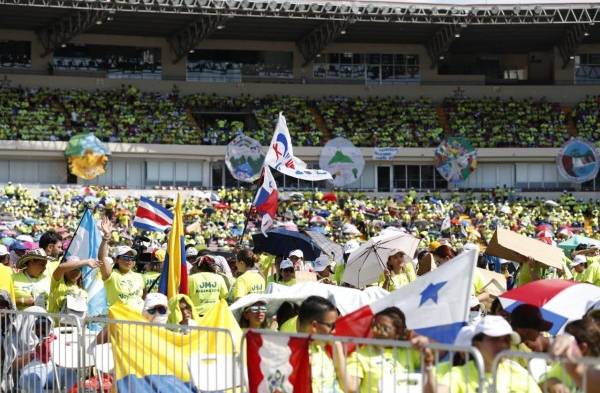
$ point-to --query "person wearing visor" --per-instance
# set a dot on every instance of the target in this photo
(490, 336)
(66, 283)
(287, 273)
(399, 272)
(205, 287)
(156, 308)
(121, 282)
(32, 283)
(324, 269)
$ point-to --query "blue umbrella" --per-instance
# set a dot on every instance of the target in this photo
(281, 242)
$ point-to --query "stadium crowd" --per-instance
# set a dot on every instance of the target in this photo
(128, 115)
(34, 275)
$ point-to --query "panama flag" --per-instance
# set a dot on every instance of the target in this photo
(151, 216)
(85, 245)
(436, 304)
(266, 201)
(280, 156)
(277, 363)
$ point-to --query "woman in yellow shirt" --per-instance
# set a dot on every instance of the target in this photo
(32, 284)
(66, 281)
(250, 280)
(400, 271)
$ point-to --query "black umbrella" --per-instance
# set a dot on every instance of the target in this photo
(281, 241)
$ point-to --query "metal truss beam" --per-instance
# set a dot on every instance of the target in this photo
(314, 42)
(568, 44)
(360, 11)
(68, 27)
(191, 35)
(440, 43)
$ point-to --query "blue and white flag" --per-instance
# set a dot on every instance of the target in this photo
(85, 245)
(436, 304)
(280, 156)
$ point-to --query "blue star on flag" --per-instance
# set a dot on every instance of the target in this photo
(431, 292)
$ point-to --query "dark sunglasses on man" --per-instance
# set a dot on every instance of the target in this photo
(162, 310)
(127, 257)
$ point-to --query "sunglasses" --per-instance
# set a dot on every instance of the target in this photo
(158, 309)
(127, 257)
(257, 309)
(288, 270)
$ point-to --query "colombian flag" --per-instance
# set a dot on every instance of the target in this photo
(173, 279)
(150, 358)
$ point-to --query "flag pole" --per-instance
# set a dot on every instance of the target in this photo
(257, 186)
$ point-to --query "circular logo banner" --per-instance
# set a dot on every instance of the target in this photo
(244, 158)
(578, 161)
(343, 160)
(455, 159)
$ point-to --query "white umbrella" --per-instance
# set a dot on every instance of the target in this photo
(345, 299)
(366, 264)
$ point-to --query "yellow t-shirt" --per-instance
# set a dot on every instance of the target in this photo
(289, 326)
(592, 273)
(127, 288)
(512, 378)
(59, 291)
(206, 289)
(249, 282)
(401, 279)
(26, 286)
(6, 281)
(385, 370)
(149, 279)
(558, 372)
(339, 272)
(324, 379)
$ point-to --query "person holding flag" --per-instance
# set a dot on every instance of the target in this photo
(121, 282)
(66, 283)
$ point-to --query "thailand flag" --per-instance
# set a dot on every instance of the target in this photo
(560, 301)
(267, 200)
(436, 304)
(150, 216)
(277, 363)
(85, 245)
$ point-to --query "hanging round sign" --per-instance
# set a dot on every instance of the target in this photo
(244, 158)
(343, 160)
(578, 161)
(455, 159)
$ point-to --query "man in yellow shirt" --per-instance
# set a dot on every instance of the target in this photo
(52, 244)
(120, 282)
(491, 336)
(206, 287)
(250, 280)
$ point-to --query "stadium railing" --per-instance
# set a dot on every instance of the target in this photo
(545, 370)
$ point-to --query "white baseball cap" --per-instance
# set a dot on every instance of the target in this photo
(286, 264)
(578, 260)
(464, 336)
(123, 250)
(496, 326)
(191, 252)
(3, 250)
(297, 253)
(322, 262)
(155, 299)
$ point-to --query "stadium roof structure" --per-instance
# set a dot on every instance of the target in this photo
(498, 26)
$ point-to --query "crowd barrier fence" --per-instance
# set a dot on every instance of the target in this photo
(44, 352)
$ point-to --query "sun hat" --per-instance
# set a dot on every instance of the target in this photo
(38, 254)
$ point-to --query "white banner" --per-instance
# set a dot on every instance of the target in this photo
(343, 160)
(385, 153)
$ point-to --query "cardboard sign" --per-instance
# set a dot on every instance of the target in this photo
(514, 247)
(302, 276)
(426, 264)
(494, 283)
